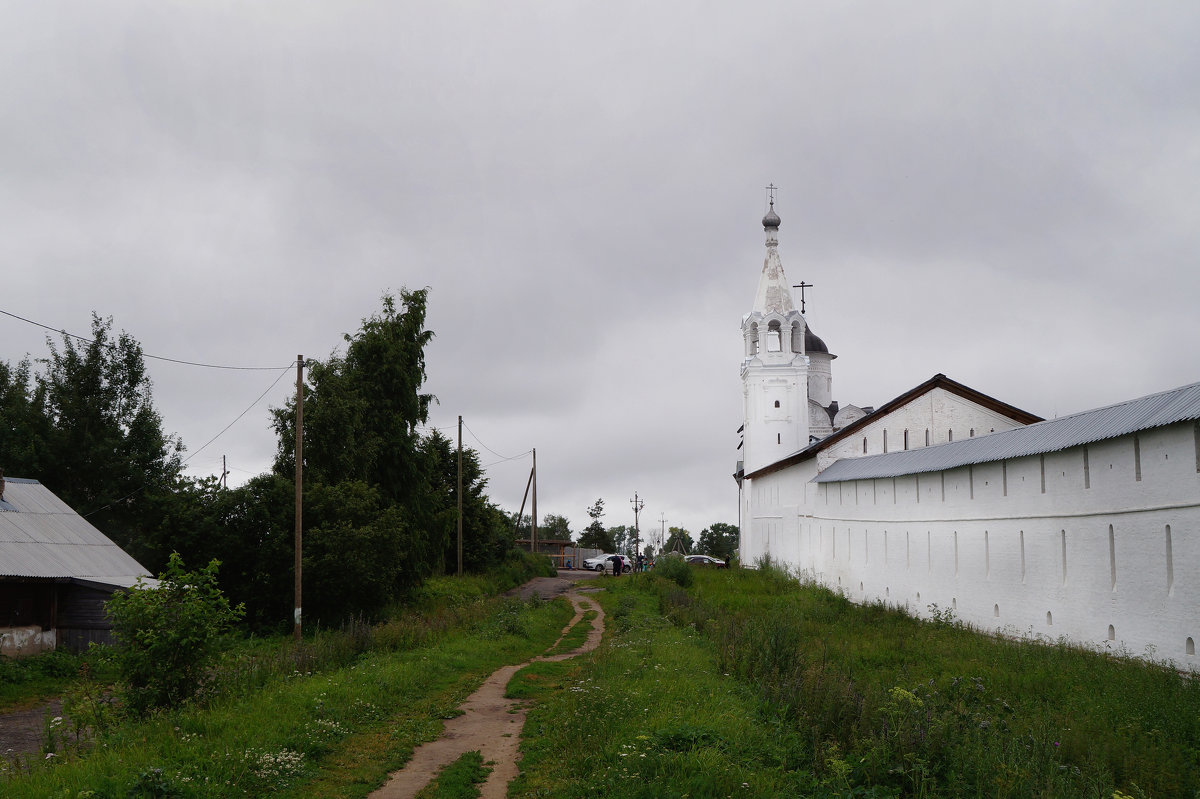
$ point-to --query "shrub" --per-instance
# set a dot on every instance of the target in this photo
(168, 636)
(676, 570)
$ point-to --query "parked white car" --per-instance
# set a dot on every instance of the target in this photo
(604, 563)
(596, 563)
(611, 564)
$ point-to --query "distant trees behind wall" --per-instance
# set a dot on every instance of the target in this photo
(594, 536)
(380, 496)
(554, 528)
(719, 540)
(678, 540)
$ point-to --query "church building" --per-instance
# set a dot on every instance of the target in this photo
(947, 499)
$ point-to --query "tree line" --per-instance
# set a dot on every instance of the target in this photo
(718, 539)
(380, 501)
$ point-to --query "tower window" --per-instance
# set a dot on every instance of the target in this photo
(950, 435)
(906, 439)
(779, 438)
(1170, 563)
(776, 403)
(927, 436)
(864, 445)
(885, 441)
(972, 432)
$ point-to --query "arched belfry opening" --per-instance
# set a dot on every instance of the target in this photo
(751, 334)
(774, 337)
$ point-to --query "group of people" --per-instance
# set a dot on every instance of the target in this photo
(640, 564)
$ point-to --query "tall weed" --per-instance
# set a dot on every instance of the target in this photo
(934, 709)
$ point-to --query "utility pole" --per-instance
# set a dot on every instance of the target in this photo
(224, 473)
(460, 496)
(637, 508)
(662, 530)
(299, 486)
(533, 510)
(524, 499)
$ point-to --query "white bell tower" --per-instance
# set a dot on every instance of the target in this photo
(775, 370)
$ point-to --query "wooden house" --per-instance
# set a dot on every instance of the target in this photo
(56, 573)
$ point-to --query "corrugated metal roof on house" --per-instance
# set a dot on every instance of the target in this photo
(1177, 405)
(44, 537)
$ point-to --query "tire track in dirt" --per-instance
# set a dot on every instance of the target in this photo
(490, 723)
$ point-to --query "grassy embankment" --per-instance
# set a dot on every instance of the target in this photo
(749, 684)
(746, 684)
(331, 718)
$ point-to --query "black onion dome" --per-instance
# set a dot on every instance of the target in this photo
(813, 343)
(771, 219)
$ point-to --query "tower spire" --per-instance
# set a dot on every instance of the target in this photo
(775, 370)
(774, 292)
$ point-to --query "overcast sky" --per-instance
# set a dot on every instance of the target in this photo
(1007, 193)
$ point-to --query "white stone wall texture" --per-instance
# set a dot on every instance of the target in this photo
(1096, 544)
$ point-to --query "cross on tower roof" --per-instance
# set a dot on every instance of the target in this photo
(802, 286)
(771, 189)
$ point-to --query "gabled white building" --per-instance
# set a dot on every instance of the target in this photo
(1081, 527)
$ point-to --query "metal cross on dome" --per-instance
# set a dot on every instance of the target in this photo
(802, 286)
(771, 189)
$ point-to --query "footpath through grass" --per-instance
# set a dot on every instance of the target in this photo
(750, 684)
(742, 684)
(330, 719)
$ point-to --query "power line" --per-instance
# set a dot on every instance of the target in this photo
(506, 460)
(144, 486)
(489, 449)
(146, 355)
(240, 415)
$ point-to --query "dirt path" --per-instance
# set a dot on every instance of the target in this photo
(22, 732)
(490, 723)
(551, 587)
(497, 720)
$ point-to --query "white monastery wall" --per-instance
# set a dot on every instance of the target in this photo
(1097, 543)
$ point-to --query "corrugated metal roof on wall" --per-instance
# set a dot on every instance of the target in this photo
(44, 537)
(1177, 405)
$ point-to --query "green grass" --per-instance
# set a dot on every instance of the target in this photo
(576, 636)
(751, 684)
(745, 683)
(938, 709)
(335, 732)
(648, 715)
(459, 780)
(27, 681)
